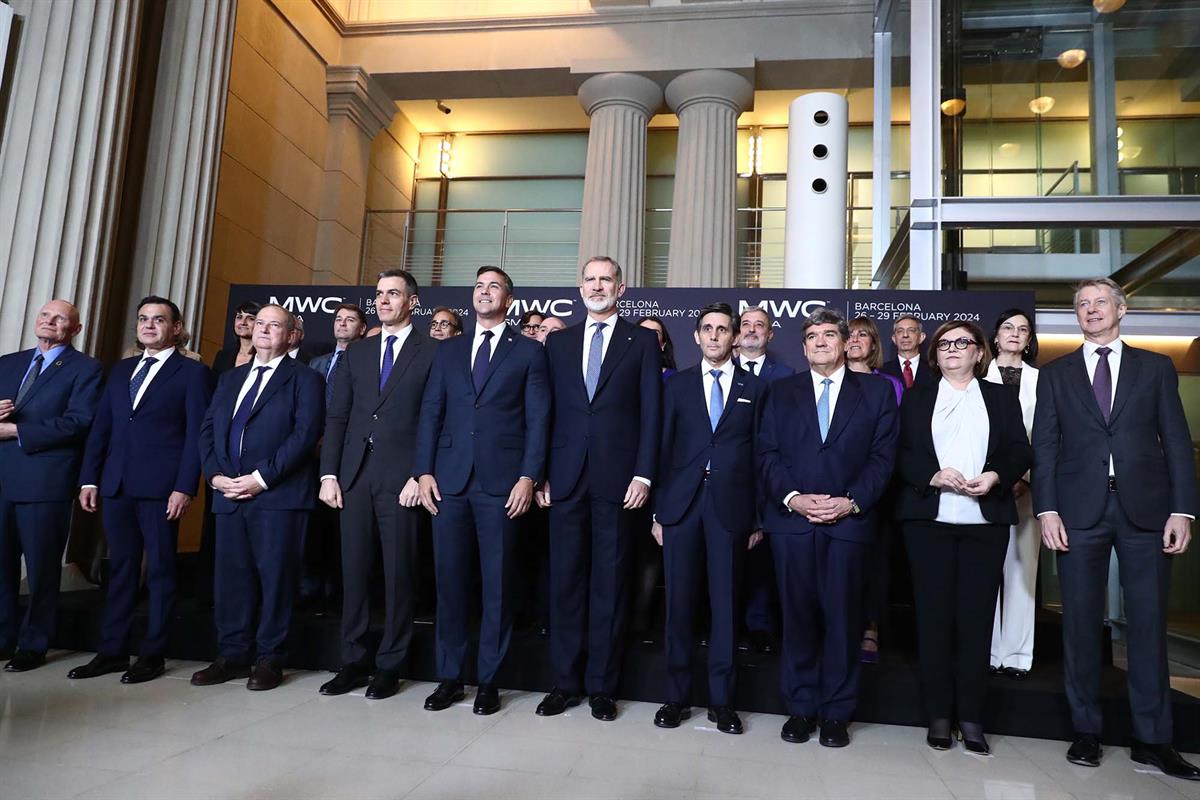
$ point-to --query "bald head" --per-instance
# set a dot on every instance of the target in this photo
(57, 324)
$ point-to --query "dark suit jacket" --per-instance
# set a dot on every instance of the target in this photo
(1146, 435)
(617, 433)
(153, 450)
(360, 412)
(500, 433)
(772, 370)
(225, 359)
(320, 364)
(923, 375)
(855, 460)
(689, 445)
(1008, 453)
(42, 464)
(278, 441)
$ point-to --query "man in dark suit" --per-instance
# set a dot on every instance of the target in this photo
(349, 325)
(826, 451)
(606, 379)
(757, 329)
(48, 397)
(908, 336)
(143, 458)
(256, 446)
(706, 510)
(481, 449)
(366, 470)
(1113, 468)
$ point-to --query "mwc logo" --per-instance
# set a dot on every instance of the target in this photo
(308, 305)
(561, 307)
(784, 309)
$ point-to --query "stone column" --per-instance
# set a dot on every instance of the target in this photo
(613, 222)
(708, 103)
(358, 110)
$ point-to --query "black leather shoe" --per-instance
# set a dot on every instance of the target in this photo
(603, 707)
(447, 694)
(797, 730)
(487, 700)
(384, 683)
(671, 715)
(1085, 750)
(556, 703)
(726, 718)
(220, 671)
(973, 739)
(834, 733)
(1166, 758)
(25, 660)
(265, 676)
(762, 642)
(347, 679)
(939, 734)
(100, 665)
(146, 668)
(1016, 673)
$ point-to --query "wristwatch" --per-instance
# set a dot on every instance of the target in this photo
(854, 507)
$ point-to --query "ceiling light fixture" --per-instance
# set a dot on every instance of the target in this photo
(1041, 105)
(954, 101)
(1107, 6)
(1070, 59)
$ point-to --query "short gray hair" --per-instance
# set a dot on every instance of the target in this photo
(1114, 289)
(290, 318)
(828, 316)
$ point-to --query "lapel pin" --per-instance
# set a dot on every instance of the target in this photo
(58, 363)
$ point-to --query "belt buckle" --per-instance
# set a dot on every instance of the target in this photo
(1112, 484)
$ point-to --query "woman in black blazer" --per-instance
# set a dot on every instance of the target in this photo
(962, 447)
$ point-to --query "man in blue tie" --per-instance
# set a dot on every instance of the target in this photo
(827, 446)
(48, 397)
(349, 325)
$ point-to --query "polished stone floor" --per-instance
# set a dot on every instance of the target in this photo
(168, 739)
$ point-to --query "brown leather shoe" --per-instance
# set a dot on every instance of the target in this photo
(220, 671)
(264, 677)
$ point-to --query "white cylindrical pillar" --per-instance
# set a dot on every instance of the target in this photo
(814, 250)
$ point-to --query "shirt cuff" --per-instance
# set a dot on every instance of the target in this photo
(788, 498)
(89, 486)
(1044, 513)
(640, 479)
(327, 477)
(1181, 514)
(258, 477)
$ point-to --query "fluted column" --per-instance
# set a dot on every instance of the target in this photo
(708, 103)
(614, 184)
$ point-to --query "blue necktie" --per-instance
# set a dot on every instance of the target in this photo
(333, 362)
(138, 379)
(242, 416)
(716, 399)
(483, 357)
(823, 409)
(388, 359)
(591, 378)
(35, 369)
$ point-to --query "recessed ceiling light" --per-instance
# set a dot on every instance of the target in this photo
(1070, 59)
(1041, 105)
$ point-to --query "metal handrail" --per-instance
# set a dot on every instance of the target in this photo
(1073, 169)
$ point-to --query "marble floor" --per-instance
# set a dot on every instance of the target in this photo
(168, 739)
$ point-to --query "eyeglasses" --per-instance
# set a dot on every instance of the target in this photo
(961, 343)
(1008, 327)
(442, 325)
(531, 328)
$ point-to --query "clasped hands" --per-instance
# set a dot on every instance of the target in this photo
(8, 430)
(821, 509)
(243, 487)
(952, 480)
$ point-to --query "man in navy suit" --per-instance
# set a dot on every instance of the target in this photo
(826, 450)
(705, 510)
(908, 336)
(143, 458)
(606, 377)
(481, 449)
(48, 398)
(257, 447)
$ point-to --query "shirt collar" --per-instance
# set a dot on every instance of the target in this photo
(49, 355)
(1090, 348)
(836, 377)
(273, 363)
(160, 356)
(495, 329)
(609, 323)
(914, 361)
(760, 360)
(726, 368)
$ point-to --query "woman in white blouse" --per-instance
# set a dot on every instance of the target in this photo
(1014, 349)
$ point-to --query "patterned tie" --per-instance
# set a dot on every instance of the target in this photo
(138, 379)
(483, 358)
(823, 409)
(30, 378)
(716, 399)
(242, 416)
(1102, 382)
(908, 374)
(333, 362)
(591, 378)
(388, 360)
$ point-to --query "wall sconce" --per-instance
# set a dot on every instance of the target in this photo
(954, 101)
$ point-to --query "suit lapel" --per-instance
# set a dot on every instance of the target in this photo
(807, 402)
(1127, 380)
(848, 398)
(403, 359)
(503, 348)
(1077, 374)
(622, 338)
(161, 378)
(286, 369)
(48, 374)
(737, 387)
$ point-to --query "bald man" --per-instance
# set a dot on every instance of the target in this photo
(48, 397)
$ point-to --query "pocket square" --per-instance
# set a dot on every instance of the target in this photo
(743, 399)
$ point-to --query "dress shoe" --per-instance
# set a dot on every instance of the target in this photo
(347, 679)
(487, 700)
(995, 670)
(556, 703)
(1166, 758)
(1085, 750)
(447, 694)
(973, 739)
(384, 683)
(671, 714)
(265, 676)
(939, 734)
(797, 730)
(100, 665)
(603, 707)
(1016, 673)
(25, 660)
(220, 671)
(146, 668)
(762, 642)
(726, 718)
(834, 733)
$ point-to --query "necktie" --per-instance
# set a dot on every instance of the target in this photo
(908, 374)
(242, 416)
(333, 362)
(30, 377)
(138, 379)
(1102, 382)
(389, 358)
(823, 409)
(483, 357)
(595, 355)
(716, 399)
(752, 365)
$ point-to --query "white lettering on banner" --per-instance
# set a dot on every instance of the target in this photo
(784, 309)
(308, 305)
(561, 307)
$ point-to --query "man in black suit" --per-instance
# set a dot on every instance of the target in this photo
(366, 470)
(349, 325)
(705, 510)
(908, 336)
(826, 450)
(606, 377)
(257, 446)
(48, 398)
(143, 458)
(1113, 468)
(755, 332)
(481, 449)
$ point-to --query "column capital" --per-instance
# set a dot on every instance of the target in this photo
(710, 86)
(354, 94)
(620, 88)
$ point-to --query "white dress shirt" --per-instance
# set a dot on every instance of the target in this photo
(272, 368)
(589, 330)
(758, 363)
(913, 362)
(497, 331)
(835, 388)
(726, 380)
(401, 337)
(960, 439)
(160, 358)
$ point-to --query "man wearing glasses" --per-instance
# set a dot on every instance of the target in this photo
(445, 324)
